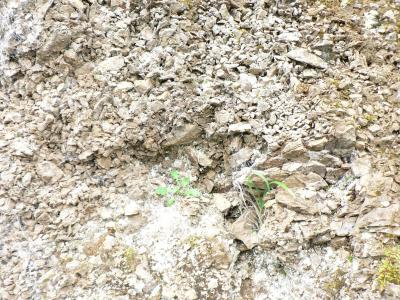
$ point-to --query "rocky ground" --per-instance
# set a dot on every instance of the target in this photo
(100, 100)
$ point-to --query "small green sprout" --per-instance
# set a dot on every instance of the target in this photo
(170, 202)
(162, 191)
(259, 193)
(370, 118)
(181, 187)
(192, 241)
(130, 256)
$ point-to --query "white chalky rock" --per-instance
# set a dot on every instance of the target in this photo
(49, 172)
(131, 209)
(303, 56)
(114, 63)
(124, 86)
(143, 86)
(22, 148)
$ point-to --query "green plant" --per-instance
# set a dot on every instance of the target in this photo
(389, 269)
(335, 283)
(370, 118)
(267, 185)
(130, 256)
(181, 187)
(192, 241)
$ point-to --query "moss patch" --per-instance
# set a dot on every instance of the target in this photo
(389, 269)
(336, 283)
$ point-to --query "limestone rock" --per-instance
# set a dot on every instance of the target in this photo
(58, 40)
(109, 243)
(310, 181)
(131, 209)
(104, 162)
(217, 255)
(333, 174)
(12, 117)
(49, 172)
(315, 167)
(198, 157)
(292, 202)
(239, 128)
(291, 167)
(267, 162)
(223, 117)
(294, 150)
(374, 128)
(184, 134)
(222, 203)
(361, 166)
(303, 56)
(374, 185)
(247, 81)
(26, 179)
(124, 86)
(343, 227)
(22, 148)
(289, 36)
(382, 219)
(68, 216)
(309, 73)
(371, 19)
(116, 3)
(143, 86)
(240, 157)
(325, 158)
(77, 4)
(243, 230)
(345, 139)
(73, 266)
(105, 213)
(114, 63)
(204, 160)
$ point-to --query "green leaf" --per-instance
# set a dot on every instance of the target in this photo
(185, 181)
(176, 190)
(249, 182)
(175, 175)
(192, 193)
(260, 203)
(170, 202)
(250, 185)
(162, 191)
(280, 184)
(264, 179)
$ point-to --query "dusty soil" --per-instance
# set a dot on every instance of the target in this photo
(101, 100)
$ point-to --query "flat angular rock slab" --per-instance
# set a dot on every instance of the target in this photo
(294, 150)
(290, 201)
(305, 57)
(243, 230)
(182, 135)
(49, 172)
(114, 63)
(381, 219)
